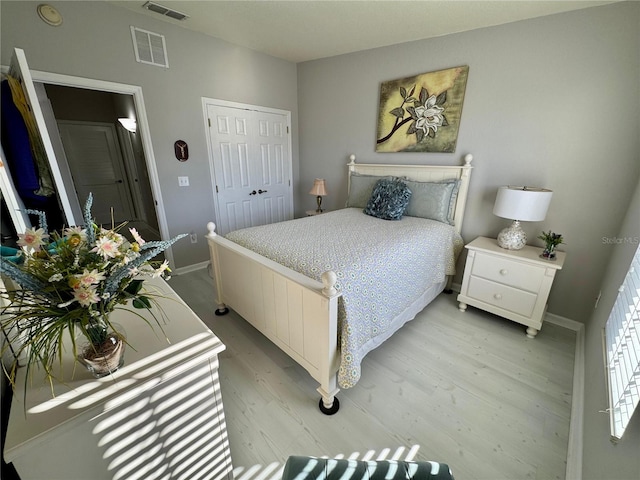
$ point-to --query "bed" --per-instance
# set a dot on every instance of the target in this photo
(356, 280)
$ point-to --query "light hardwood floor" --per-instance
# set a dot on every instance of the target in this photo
(466, 389)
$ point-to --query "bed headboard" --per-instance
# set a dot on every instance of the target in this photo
(423, 173)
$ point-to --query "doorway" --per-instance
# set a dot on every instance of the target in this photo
(60, 169)
(103, 157)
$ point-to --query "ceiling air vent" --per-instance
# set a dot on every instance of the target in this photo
(162, 10)
(150, 47)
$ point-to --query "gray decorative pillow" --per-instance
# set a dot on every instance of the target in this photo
(360, 188)
(434, 200)
(389, 199)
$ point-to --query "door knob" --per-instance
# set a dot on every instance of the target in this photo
(253, 193)
(262, 191)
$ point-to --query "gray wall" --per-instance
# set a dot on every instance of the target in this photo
(551, 102)
(94, 41)
(602, 459)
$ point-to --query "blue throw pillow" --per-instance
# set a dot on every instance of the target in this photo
(388, 200)
(434, 200)
(360, 188)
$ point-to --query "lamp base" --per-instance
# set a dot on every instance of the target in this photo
(319, 201)
(512, 237)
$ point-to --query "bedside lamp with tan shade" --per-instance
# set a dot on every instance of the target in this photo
(319, 189)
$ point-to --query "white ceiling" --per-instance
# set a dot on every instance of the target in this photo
(301, 30)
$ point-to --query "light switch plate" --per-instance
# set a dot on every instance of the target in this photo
(183, 181)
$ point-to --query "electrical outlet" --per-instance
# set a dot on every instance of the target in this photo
(194, 237)
(183, 181)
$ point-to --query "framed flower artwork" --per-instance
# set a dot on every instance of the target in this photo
(421, 113)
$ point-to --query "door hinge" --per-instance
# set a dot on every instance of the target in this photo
(209, 120)
(216, 188)
(289, 182)
(287, 128)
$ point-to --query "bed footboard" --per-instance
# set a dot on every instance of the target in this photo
(295, 312)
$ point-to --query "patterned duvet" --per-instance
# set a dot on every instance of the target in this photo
(382, 266)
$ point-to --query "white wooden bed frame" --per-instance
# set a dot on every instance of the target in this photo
(297, 313)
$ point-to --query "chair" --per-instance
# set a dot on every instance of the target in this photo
(302, 467)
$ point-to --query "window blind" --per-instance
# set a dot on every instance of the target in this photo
(622, 343)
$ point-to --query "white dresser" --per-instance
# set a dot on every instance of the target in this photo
(514, 284)
(159, 417)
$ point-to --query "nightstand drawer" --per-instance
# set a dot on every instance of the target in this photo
(502, 296)
(508, 272)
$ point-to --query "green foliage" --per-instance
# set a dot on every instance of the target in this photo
(69, 283)
(551, 240)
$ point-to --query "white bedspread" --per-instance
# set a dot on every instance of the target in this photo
(382, 267)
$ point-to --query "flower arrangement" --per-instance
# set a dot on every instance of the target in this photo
(71, 282)
(426, 114)
(551, 241)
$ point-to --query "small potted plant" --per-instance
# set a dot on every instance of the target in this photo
(551, 241)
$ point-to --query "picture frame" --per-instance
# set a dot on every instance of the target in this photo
(421, 113)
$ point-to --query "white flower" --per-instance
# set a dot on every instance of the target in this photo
(86, 296)
(137, 236)
(32, 238)
(56, 277)
(92, 277)
(160, 270)
(71, 231)
(429, 116)
(106, 247)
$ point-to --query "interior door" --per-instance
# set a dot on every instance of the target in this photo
(11, 198)
(19, 69)
(97, 167)
(274, 185)
(252, 167)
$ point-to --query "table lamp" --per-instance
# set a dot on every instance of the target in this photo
(319, 190)
(528, 204)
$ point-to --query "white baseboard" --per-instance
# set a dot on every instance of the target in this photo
(190, 268)
(563, 322)
(576, 428)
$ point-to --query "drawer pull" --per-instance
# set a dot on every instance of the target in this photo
(504, 271)
(497, 296)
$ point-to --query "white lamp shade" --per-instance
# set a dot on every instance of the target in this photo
(529, 204)
(318, 188)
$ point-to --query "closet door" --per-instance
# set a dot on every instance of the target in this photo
(251, 163)
(273, 167)
(19, 69)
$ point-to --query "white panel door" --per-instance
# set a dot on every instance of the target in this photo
(97, 167)
(251, 166)
(19, 69)
(10, 195)
(274, 193)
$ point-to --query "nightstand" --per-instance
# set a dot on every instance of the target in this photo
(514, 284)
(311, 213)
